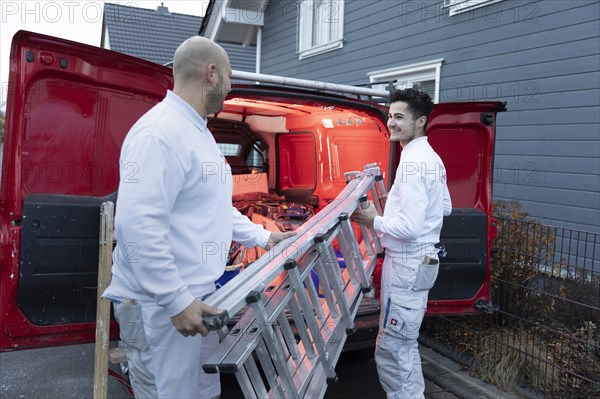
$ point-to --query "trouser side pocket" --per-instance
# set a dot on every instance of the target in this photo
(426, 276)
(131, 325)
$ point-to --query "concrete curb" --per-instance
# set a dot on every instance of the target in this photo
(455, 378)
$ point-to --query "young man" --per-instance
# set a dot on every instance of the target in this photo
(174, 224)
(409, 229)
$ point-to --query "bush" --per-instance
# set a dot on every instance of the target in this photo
(546, 332)
(523, 250)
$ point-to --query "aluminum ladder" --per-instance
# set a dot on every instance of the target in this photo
(289, 336)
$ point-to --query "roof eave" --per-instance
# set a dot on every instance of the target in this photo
(227, 23)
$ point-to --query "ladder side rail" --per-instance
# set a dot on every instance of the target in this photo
(240, 331)
(240, 350)
(376, 202)
(246, 385)
(323, 264)
(313, 325)
(307, 264)
(254, 374)
(375, 240)
(288, 337)
(324, 226)
(305, 373)
(351, 266)
(267, 364)
(352, 254)
(381, 186)
(302, 328)
(337, 338)
(320, 380)
(377, 190)
(255, 301)
(280, 295)
(317, 386)
(334, 280)
(276, 300)
(312, 293)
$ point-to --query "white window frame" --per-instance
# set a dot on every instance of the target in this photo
(307, 24)
(460, 6)
(406, 76)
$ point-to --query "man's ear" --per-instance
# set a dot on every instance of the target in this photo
(211, 73)
(421, 121)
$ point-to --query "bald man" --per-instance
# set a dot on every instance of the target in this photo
(174, 224)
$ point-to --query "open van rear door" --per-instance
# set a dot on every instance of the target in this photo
(69, 108)
(463, 135)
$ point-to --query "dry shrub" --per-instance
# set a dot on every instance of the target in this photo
(546, 334)
(509, 357)
(522, 248)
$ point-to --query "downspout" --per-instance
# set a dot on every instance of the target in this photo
(258, 48)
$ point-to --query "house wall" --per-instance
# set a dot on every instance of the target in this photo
(242, 58)
(541, 57)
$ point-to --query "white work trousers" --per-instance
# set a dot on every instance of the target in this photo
(162, 362)
(405, 284)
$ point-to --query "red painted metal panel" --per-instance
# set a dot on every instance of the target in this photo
(70, 106)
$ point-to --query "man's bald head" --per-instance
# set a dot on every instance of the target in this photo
(192, 57)
(202, 75)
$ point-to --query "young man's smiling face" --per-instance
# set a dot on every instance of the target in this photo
(402, 124)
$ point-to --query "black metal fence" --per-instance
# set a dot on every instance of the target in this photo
(544, 338)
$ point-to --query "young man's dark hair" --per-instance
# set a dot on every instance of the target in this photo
(418, 102)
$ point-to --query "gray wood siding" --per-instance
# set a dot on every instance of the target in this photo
(541, 57)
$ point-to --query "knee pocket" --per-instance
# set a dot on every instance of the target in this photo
(404, 316)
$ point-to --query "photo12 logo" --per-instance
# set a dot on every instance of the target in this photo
(51, 11)
(62, 11)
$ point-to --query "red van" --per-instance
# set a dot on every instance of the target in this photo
(69, 108)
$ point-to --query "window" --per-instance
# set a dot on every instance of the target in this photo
(424, 76)
(230, 149)
(458, 6)
(320, 26)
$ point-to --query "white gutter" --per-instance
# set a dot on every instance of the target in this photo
(258, 48)
(308, 84)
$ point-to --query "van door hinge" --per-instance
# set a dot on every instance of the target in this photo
(485, 306)
(487, 118)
